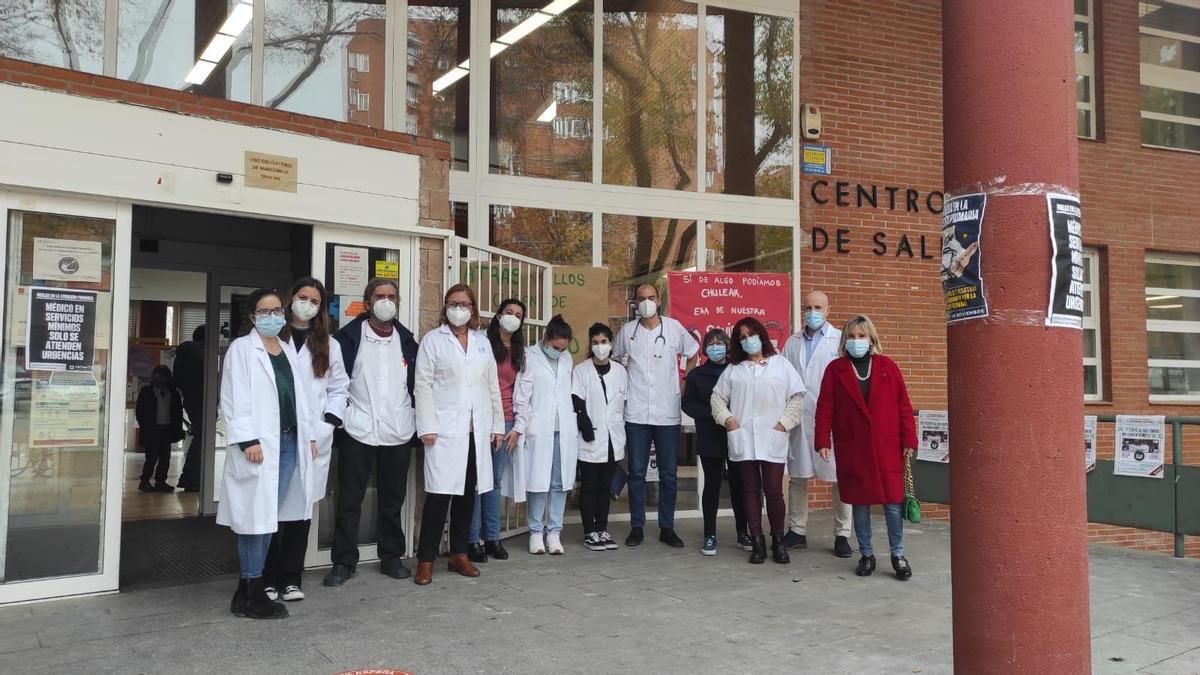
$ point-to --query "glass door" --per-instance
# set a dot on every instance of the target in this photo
(62, 403)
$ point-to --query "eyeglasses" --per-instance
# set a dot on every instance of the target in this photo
(460, 305)
(269, 311)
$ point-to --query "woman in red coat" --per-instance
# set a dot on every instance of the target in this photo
(864, 406)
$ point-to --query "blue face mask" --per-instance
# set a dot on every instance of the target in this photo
(814, 319)
(858, 347)
(716, 351)
(550, 352)
(752, 345)
(269, 326)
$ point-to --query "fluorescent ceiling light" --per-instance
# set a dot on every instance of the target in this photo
(217, 48)
(1166, 306)
(549, 113)
(1161, 297)
(238, 19)
(525, 28)
(498, 47)
(449, 78)
(200, 72)
(559, 6)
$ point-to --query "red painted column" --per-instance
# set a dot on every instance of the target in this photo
(1015, 387)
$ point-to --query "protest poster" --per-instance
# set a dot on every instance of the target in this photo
(1066, 262)
(581, 297)
(61, 330)
(1089, 442)
(1140, 446)
(962, 282)
(933, 430)
(705, 300)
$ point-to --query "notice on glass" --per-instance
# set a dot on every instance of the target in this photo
(1089, 443)
(1066, 262)
(350, 270)
(962, 283)
(652, 466)
(386, 269)
(61, 330)
(65, 411)
(1141, 441)
(934, 429)
(66, 260)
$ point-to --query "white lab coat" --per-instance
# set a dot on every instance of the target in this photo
(455, 390)
(803, 460)
(326, 394)
(542, 389)
(250, 407)
(608, 417)
(757, 395)
(651, 359)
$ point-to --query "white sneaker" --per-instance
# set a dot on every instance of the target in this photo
(593, 542)
(554, 543)
(272, 594)
(609, 544)
(292, 594)
(537, 545)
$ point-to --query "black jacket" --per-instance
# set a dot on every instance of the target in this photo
(350, 335)
(146, 411)
(189, 370)
(697, 391)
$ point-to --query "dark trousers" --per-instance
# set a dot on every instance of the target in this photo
(461, 508)
(157, 442)
(595, 484)
(759, 477)
(710, 499)
(189, 476)
(355, 461)
(285, 557)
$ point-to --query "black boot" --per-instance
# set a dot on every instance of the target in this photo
(258, 605)
(902, 568)
(866, 565)
(779, 551)
(476, 554)
(758, 555)
(495, 549)
(237, 606)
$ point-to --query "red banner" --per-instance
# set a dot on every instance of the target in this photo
(705, 300)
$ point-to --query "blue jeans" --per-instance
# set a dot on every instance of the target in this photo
(666, 449)
(487, 505)
(252, 548)
(892, 513)
(549, 519)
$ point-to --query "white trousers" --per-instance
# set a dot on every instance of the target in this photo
(798, 509)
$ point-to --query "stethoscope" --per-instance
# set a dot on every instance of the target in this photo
(660, 342)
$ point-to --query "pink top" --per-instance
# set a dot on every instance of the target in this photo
(508, 378)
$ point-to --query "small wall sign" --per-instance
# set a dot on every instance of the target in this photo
(271, 172)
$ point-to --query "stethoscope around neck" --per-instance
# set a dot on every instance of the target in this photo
(660, 341)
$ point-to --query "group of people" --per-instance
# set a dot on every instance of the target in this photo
(499, 417)
(159, 413)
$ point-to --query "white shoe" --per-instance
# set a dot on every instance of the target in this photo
(554, 543)
(536, 545)
(292, 594)
(609, 544)
(272, 594)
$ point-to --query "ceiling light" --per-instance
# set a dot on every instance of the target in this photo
(559, 6)
(200, 72)
(217, 48)
(238, 19)
(1161, 297)
(537, 20)
(498, 47)
(1166, 306)
(449, 78)
(549, 113)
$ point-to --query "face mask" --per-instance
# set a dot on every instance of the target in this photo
(858, 347)
(715, 351)
(647, 308)
(458, 316)
(601, 351)
(303, 310)
(384, 310)
(269, 326)
(550, 352)
(752, 345)
(814, 318)
(509, 323)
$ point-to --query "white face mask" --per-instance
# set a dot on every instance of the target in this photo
(458, 316)
(509, 323)
(647, 308)
(303, 310)
(384, 310)
(601, 351)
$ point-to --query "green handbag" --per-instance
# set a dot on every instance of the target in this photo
(912, 507)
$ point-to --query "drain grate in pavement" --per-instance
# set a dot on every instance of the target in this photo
(169, 552)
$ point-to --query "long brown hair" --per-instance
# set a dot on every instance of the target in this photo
(736, 353)
(461, 288)
(318, 335)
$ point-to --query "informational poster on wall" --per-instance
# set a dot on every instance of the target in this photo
(581, 297)
(387, 269)
(1089, 443)
(1066, 262)
(1141, 442)
(62, 327)
(962, 282)
(64, 411)
(351, 270)
(705, 300)
(933, 429)
(66, 260)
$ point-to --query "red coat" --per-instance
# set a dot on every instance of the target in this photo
(868, 440)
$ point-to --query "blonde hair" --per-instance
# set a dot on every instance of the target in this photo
(864, 322)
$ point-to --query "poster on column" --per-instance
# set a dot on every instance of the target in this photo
(581, 297)
(1141, 441)
(1089, 443)
(705, 300)
(61, 330)
(934, 429)
(1066, 262)
(962, 282)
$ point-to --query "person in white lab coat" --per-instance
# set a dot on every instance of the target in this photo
(271, 446)
(810, 351)
(759, 399)
(459, 420)
(598, 393)
(319, 370)
(650, 349)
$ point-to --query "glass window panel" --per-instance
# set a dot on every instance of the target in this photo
(458, 213)
(1173, 309)
(439, 50)
(641, 250)
(542, 92)
(58, 420)
(1089, 343)
(63, 33)
(1171, 134)
(1167, 275)
(735, 247)
(1170, 16)
(1170, 53)
(1081, 7)
(1083, 89)
(1083, 122)
(1087, 302)
(554, 235)
(749, 141)
(1171, 102)
(1179, 346)
(650, 93)
(326, 58)
(1175, 381)
(1091, 381)
(1081, 38)
(161, 43)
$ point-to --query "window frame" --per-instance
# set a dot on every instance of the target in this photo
(1091, 258)
(1176, 79)
(1171, 325)
(1085, 65)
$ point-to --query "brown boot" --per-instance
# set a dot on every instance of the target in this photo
(459, 562)
(424, 575)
